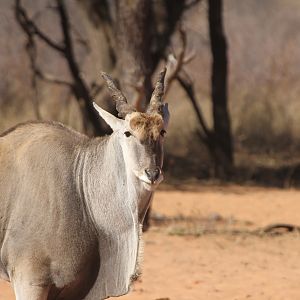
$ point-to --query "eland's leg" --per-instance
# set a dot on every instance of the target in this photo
(25, 291)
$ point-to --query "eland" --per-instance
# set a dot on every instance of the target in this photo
(71, 207)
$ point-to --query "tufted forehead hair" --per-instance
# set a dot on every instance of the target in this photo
(146, 126)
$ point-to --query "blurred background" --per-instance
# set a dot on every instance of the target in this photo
(233, 78)
(225, 222)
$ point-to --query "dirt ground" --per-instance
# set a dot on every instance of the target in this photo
(205, 244)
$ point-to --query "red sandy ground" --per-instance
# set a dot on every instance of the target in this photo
(183, 263)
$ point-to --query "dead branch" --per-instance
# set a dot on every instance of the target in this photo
(51, 79)
(274, 228)
(202, 226)
(188, 86)
(30, 27)
(175, 63)
(95, 89)
(79, 88)
(31, 30)
(80, 39)
(176, 71)
(31, 49)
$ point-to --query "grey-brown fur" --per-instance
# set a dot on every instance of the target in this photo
(71, 207)
(38, 204)
(46, 229)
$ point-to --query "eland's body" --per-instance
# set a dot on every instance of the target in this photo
(71, 206)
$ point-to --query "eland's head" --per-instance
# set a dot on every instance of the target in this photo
(140, 134)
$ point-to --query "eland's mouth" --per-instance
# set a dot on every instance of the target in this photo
(149, 184)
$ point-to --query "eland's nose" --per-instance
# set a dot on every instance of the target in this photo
(153, 174)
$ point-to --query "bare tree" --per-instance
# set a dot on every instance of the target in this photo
(219, 138)
(82, 92)
(222, 128)
(136, 37)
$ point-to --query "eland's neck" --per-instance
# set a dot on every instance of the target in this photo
(110, 190)
(111, 195)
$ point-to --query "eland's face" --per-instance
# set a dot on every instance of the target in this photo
(142, 144)
(140, 134)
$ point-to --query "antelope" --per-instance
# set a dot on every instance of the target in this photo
(71, 207)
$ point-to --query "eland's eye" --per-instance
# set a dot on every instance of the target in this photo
(127, 133)
(163, 133)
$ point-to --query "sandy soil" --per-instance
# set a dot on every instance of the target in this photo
(182, 261)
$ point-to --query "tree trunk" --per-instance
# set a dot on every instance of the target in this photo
(133, 50)
(222, 127)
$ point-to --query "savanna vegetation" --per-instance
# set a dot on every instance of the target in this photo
(52, 54)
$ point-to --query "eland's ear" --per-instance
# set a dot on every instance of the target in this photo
(110, 119)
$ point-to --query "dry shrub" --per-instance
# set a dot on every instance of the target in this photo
(264, 85)
(265, 126)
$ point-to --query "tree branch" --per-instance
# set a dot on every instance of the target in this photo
(31, 50)
(95, 89)
(188, 87)
(30, 27)
(78, 86)
(81, 90)
(51, 79)
(175, 63)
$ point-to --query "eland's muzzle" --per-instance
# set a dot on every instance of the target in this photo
(153, 174)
